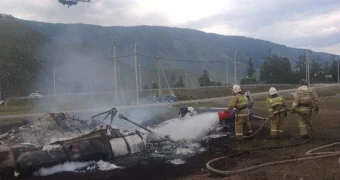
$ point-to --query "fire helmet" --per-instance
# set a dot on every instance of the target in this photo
(236, 88)
(272, 91)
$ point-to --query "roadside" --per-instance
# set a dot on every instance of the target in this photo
(326, 89)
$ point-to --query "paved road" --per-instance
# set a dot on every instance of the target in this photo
(219, 100)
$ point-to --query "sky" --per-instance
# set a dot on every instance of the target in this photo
(306, 24)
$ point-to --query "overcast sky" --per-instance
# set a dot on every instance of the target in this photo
(295, 23)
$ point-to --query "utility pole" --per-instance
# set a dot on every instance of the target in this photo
(140, 77)
(136, 73)
(226, 73)
(54, 91)
(115, 95)
(307, 68)
(159, 77)
(235, 81)
(306, 62)
(338, 70)
(186, 78)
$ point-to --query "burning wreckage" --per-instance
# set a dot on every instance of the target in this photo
(24, 155)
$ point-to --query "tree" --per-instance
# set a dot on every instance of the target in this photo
(317, 74)
(264, 71)
(180, 82)
(172, 79)
(219, 83)
(250, 71)
(275, 69)
(154, 85)
(300, 67)
(204, 80)
(333, 70)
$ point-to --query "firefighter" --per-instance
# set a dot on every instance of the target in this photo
(305, 100)
(240, 103)
(276, 106)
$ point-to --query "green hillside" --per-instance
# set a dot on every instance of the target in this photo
(82, 55)
(173, 43)
(19, 56)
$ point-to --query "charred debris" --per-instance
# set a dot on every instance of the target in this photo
(26, 149)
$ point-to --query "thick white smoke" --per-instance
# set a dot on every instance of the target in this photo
(188, 128)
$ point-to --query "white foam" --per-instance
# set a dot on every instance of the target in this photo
(177, 161)
(53, 140)
(188, 128)
(74, 166)
(66, 167)
(51, 147)
(189, 149)
(106, 166)
(184, 151)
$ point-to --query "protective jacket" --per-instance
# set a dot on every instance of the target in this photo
(275, 104)
(240, 102)
(305, 99)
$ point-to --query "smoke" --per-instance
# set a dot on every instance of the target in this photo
(83, 66)
(188, 128)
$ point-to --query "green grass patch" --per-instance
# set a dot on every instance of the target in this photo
(6, 122)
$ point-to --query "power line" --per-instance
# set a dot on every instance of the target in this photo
(179, 60)
(124, 56)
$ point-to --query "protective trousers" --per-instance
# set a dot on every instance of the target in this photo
(276, 125)
(242, 119)
(304, 122)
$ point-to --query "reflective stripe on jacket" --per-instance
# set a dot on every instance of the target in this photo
(275, 104)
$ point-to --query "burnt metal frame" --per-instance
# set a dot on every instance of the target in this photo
(111, 112)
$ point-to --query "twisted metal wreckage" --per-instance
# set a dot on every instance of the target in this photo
(104, 142)
(108, 143)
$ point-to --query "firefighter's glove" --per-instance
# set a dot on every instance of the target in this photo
(316, 109)
(235, 110)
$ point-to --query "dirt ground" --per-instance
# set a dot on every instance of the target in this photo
(326, 127)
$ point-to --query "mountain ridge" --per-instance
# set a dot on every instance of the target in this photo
(78, 50)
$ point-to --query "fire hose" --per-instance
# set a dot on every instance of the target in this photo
(264, 123)
(317, 155)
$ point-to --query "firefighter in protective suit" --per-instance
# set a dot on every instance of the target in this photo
(240, 103)
(305, 100)
(276, 106)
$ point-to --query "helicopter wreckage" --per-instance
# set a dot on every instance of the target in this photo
(26, 149)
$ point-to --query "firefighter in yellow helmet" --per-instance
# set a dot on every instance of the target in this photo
(276, 106)
(239, 102)
(305, 100)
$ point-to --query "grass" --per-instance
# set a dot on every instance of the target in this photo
(24, 106)
(5, 122)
